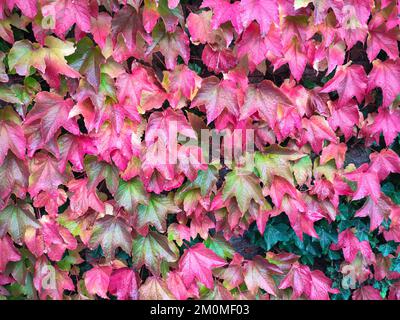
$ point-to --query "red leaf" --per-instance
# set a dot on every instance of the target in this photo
(384, 163)
(381, 38)
(386, 122)
(124, 284)
(181, 84)
(366, 293)
(155, 288)
(218, 60)
(215, 96)
(97, 280)
(82, 197)
(258, 274)
(173, 45)
(50, 281)
(385, 75)
(67, 12)
(368, 183)
(197, 262)
(252, 45)
(265, 12)
(296, 58)
(224, 11)
(316, 131)
(44, 174)
(177, 287)
(349, 81)
(73, 149)
(377, 211)
(27, 7)
(334, 151)
(11, 138)
(134, 88)
(345, 118)
(51, 111)
(321, 285)
(348, 242)
(7, 252)
(299, 279)
(263, 97)
(394, 230)
(101, 28)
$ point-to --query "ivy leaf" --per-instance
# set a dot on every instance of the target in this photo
(385, 75)
(265, 12)
(244, 186)
(155, 212)
(299, 278)
(14, 174)
(67, 12)
(275, 161)
(197, 263)
(366, 293)
(87, 60)
(155, 288)
(97, 280)
(11, 134)
(110, 233)
(44, 174)
(387, 248)
(98, 171)
(316, 131)
(15, 219)
(152, 249)
(124, 284)
(52, 112)
(101, 28)
(130, 194)
(275, 233)
(384, 163)
(348, 81)
(220, 246)
(258, 274)
(215, 96)
(327, 235)
(263, 97)
(73, 148)
(395, 266)
(173, 45)
(8, 252)
(50, 281)
(376, 211)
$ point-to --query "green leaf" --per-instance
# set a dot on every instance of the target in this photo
(15, 219)
(220, 246)
(155, 212)
(111, 232)
(87, 59)
(107, 87)
(395, 264)
(69, 260)
(153, 249)
(387, 248)
(244, 186)
(302, 170)
(334, 255)
(97, 171)
(130, 194)
(327, 235)
(275, 161)
(206, 179)
(275, 233)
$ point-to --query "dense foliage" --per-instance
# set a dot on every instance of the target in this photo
(90, 90)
